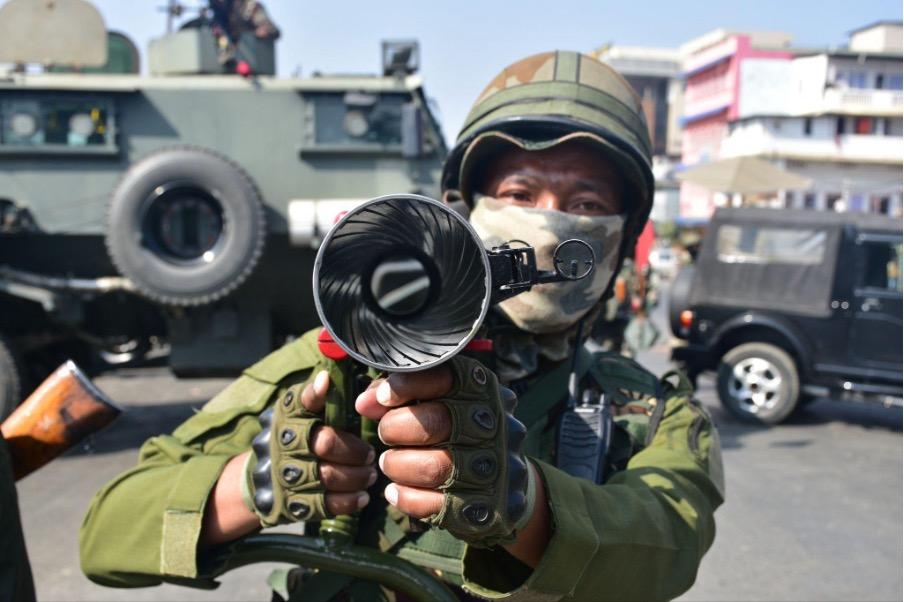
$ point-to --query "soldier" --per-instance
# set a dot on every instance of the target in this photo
(233, 17)
(556, 147)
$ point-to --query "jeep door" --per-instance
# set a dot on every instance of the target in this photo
(876, 325)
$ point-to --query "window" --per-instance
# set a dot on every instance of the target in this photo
(880, 80)
(895, 81)
(788, 199)
(839, 126)
(883, 265)
(863, 125)
(759, 244)
(357, 119)
(834, 202)
(56, 123)
(857, 79)
(810, 201)
(881, 205)
(808, 126)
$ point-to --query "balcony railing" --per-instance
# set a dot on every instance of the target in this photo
(850, 148)
(862, 102)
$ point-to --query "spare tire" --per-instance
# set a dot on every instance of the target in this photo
(680, 298)
(186, 225)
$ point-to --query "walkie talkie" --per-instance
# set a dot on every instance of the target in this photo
(585, 429)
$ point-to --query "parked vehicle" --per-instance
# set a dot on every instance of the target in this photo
(787, 306)
(182, 208)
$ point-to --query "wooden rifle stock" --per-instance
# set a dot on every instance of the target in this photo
(63, 410)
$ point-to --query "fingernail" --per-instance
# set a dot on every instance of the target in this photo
(370, 456)
(321, 381)
(391, 493)
(363, 499)
(372, 478)
(381, 460)
(384, 393)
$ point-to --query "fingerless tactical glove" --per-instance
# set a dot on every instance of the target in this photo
(488, 491)
(284, 484)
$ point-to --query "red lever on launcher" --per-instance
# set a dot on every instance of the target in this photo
(479, 345)
(328, 346)
(330, 349)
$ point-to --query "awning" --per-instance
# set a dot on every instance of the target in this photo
(743, 175)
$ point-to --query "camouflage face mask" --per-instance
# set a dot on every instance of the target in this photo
(552, 307)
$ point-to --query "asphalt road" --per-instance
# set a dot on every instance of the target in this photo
(814, 508)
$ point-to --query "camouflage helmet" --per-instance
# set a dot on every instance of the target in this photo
(548, 98)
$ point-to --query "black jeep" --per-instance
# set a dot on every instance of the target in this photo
(788, 306)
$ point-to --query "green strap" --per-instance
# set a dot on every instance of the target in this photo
(548, 390)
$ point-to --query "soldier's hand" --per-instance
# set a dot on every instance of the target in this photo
(302, 469)
(455, 458)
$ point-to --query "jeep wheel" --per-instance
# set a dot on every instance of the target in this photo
(186, 225)
(11, 379)
(758, 382)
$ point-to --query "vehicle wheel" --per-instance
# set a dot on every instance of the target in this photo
(758, 382)
(11, 379)
(186, 225)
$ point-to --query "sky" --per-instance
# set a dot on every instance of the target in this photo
(465, 43)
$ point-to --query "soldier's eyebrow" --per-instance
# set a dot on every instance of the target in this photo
(518, 178)
(591, 185)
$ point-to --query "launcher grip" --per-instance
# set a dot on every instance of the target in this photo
(63, 410)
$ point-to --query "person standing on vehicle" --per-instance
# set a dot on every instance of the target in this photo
(556, 147)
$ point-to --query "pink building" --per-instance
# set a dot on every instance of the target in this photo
(712, 68)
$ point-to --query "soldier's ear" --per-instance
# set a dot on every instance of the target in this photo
(453, 199)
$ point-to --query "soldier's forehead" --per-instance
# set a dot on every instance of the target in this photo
(584, 167)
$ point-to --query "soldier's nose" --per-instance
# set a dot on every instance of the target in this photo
(547, 199)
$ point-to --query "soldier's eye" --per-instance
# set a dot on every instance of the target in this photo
(516, 195)
(589, 207)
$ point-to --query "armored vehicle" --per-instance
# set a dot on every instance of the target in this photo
(180, 210)
(790, 306)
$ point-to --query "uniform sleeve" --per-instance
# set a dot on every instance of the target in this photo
(143, 526)
(640, 536)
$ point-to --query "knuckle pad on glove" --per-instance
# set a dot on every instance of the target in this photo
(294, 435)
(472, 424)
(310, 506)
(472, 468)
(285, 479)
(486, 494)
(289, 404)
(298, 475)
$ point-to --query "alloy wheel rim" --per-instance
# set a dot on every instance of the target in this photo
(755, 384)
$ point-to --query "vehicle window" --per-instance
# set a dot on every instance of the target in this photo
(883, 265)
(358, 119)
(757, 244)
(55, 123)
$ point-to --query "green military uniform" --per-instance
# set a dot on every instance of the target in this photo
(639, 536)
(15, 573)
